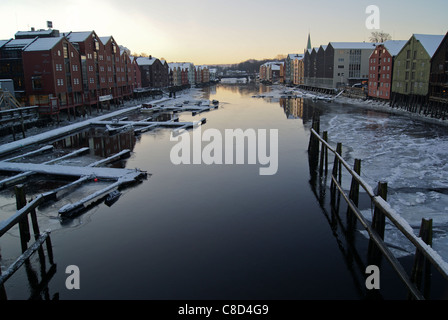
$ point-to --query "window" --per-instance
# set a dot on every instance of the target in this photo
(65, 48)
(36, 82)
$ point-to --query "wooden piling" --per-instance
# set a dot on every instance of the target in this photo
(24, 227)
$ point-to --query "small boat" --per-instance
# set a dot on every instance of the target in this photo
(112, 198)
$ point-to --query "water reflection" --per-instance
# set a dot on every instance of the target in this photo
(296, 109)
(99, 140)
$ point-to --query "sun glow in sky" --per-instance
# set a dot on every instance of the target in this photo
(224, 31)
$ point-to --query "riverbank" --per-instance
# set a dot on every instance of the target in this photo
(189, 94)
(281, 91)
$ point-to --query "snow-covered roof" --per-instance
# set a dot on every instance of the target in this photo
(78, 36)
(43, 44)
(294, 56)
(394, 46)
(324, 47)
(3, 42)
(353, 45)
(18, 43)
(430, 42)
(182, 65)
(145, 61)
(105, 40)
(35, 33)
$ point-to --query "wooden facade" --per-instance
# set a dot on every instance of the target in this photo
(381, 69)
(412, 73)
(438, 85)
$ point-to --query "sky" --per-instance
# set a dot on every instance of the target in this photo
(224, 31)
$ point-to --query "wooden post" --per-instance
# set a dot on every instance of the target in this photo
(24, 226)
(354, 188)
(325, 137)
(324, 155)
(379, 219)
(420, 260)
(354, 196)
(378, 224)
(337, 164)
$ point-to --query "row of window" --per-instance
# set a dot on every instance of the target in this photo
(408, 64)
(101, 57)
(415, 84)
(103, 80)
(384, 76)
(373, 68)
(375, 84)
(373, 60)
(378, 93)
(59, 67)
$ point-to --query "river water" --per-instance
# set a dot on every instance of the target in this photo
(223, 231)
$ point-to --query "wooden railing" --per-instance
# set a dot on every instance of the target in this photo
(376, 229)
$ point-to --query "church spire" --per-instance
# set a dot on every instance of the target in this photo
(309, 42)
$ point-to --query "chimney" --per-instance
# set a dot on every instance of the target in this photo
(32, 29)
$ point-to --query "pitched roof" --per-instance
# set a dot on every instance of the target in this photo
(145, 61)
(18, 43)
(353, 45)
(394, 46)
(294, 55)
(105, 40)
(43, 44)
(79, 36)
(182, 65)
(36, 33)
(430, 42)
(3, 42)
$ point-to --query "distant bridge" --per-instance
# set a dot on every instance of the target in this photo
(237, 76)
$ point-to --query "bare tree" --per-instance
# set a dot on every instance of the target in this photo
(379, 37)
